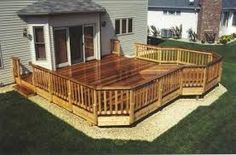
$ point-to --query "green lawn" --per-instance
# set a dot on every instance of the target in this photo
(27, 129)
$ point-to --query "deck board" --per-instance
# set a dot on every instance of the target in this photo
(113, 71)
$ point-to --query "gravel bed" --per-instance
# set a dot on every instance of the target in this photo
(147, 130)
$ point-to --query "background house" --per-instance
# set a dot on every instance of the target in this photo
(201, 16)
(55, 33)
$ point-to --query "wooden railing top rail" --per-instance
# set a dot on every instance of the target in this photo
(176, 48)
(216, 56)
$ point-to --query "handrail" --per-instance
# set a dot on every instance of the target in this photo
(130, 100)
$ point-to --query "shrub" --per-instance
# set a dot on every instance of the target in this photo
(227, 38)
(210, 37)
(155, 31)
(177, 32)
(192, 35)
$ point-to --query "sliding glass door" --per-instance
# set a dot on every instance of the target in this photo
(61, 49)
(76, 44)
(89, 42)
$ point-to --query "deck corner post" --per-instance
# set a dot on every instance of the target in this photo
(160, 90)
(131, 112)
(205, 79)
(50, 86)
(181, 80)
(33, 80)
(95, 111)
(220, 71)
(69, 94)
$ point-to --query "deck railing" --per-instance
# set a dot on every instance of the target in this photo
(201, 72)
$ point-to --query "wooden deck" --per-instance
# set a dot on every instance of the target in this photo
(115, 71)
(120, 91)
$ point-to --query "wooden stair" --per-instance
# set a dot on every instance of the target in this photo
(26, 92)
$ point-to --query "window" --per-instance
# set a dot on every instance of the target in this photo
(178, 12)
(165, 12)
(39, 43)
(172, 12)
(234, 19)
(225, 18)
(117, 25)
(1, 60)
(124, 26)
(130, 27)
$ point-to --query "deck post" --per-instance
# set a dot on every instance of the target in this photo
(181, 80)
(69, 94)
(220, 72)
(18, 70)
(160, 93)
(33, 79)
(131, 112)
(95, 111)
(50, 86)
(205, 79)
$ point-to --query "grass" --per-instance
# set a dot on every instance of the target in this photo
(25, 128)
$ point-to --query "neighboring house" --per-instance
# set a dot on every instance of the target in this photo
(228, 20)
(218, 16)
(57, 33)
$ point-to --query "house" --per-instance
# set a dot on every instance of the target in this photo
(201, 16)
(54, 34)
(72, 46)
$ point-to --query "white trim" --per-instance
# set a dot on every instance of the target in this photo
(94, 43)
(47, 62)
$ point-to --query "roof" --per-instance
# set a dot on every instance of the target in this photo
(185, 4)
(229, 4)
(55, 7)
(175, 4)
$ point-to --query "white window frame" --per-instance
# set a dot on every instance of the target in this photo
(225, 22)
(34, 42)
(234, 17)
(127, 26)
(167, 12)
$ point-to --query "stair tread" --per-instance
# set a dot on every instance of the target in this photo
(24, 91)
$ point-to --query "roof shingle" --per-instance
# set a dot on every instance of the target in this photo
(54, 7)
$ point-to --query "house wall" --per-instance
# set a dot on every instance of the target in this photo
(11, 39)
(226, 30)
(188, 19)
(136, 9)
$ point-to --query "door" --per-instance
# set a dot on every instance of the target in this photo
(61, 52)
(89, 42)
(76, 44)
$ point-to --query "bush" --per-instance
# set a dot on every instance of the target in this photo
(155, 31)
(177, 32)
(227, 38)
(192, 35)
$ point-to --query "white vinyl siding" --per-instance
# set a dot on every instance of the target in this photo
(1, 60)
(13, 44)
(188, 19)
(118, 9)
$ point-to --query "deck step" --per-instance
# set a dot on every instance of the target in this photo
(26, 92)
